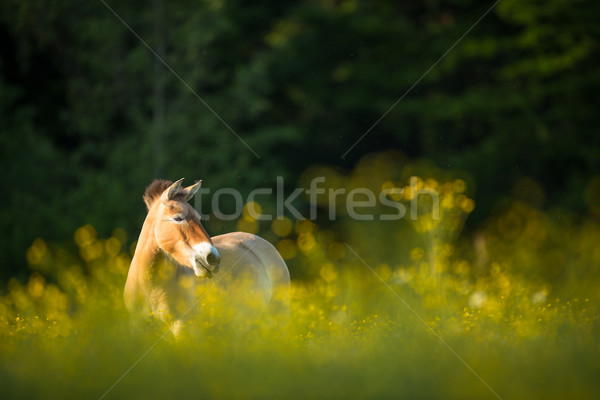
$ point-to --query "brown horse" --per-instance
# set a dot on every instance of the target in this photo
(173, 247)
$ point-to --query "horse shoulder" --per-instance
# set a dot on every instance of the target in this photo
(133, 294)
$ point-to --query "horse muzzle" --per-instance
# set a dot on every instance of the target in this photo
(208, 260)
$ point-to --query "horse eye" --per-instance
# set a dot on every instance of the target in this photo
(178, 218)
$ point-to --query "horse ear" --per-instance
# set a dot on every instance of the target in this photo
(190, 191)
(171, 191)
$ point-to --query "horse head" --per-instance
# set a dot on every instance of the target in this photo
(177, 228)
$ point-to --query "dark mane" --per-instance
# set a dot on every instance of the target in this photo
(154, 190)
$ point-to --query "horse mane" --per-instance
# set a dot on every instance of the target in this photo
(154, 190)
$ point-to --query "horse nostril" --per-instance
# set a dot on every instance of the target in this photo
(212, 259)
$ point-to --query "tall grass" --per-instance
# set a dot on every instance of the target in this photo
(403, 310)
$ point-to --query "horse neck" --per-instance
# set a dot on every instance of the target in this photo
(150, 263)
(147, 249)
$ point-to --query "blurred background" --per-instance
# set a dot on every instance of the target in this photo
(504, 128)
(89, 116)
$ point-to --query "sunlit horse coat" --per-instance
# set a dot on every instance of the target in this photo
(173, 246)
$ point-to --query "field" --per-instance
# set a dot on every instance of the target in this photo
(428, 170)
(511, 313)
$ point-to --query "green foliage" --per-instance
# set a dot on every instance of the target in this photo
(506, 122)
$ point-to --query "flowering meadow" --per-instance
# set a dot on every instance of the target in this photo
(405, 309)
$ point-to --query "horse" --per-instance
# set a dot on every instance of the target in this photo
(174, 249)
